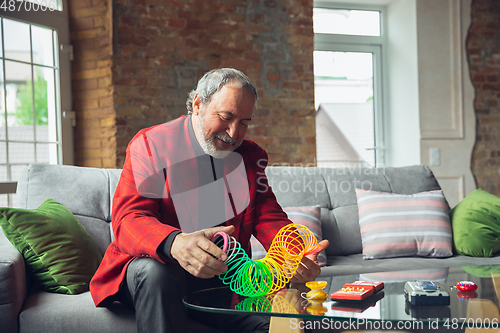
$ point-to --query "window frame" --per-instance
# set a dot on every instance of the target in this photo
(57, 20)
(369, 44)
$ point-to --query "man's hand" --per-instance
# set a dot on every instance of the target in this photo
(309, 269)
(194, 252)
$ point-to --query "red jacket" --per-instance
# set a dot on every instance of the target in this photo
(143, 212)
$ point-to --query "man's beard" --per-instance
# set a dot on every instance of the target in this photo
(208, 145)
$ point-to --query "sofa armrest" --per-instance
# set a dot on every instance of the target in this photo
(13, 287)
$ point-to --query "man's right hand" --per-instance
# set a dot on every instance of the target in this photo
(194, 252)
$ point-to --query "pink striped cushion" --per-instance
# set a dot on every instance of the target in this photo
(399, 225)
(309, 216)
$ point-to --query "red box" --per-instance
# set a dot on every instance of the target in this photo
(356, 291)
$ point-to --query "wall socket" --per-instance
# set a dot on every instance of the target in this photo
(434, 156)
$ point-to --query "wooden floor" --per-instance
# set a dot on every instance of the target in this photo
(284, 325)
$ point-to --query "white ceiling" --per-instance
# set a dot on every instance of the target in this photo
(360, 2)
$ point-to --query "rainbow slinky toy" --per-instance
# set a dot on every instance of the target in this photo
(266, 303)
(253, 278)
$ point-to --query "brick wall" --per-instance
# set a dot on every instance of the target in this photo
(91, 37)
(162, 47)
(483, 51)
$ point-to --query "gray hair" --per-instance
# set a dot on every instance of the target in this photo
(214, 80)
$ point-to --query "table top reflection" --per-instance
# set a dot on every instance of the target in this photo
(480, 307)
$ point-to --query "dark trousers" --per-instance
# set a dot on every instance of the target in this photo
(155, 291)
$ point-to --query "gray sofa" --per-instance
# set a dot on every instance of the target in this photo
(88, 193)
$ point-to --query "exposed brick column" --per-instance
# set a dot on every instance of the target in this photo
(282, 46)
(91, 37)
(162, 47)
(483, 51)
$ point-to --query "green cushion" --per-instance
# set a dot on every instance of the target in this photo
(59, 253)
(476, 225)
(484, 271)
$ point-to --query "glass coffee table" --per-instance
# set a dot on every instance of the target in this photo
(387, 309)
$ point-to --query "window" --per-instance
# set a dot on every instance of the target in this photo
(346, 22)
(348, 49)
(32, 67)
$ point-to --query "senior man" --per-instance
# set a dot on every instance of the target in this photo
(182, 182)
